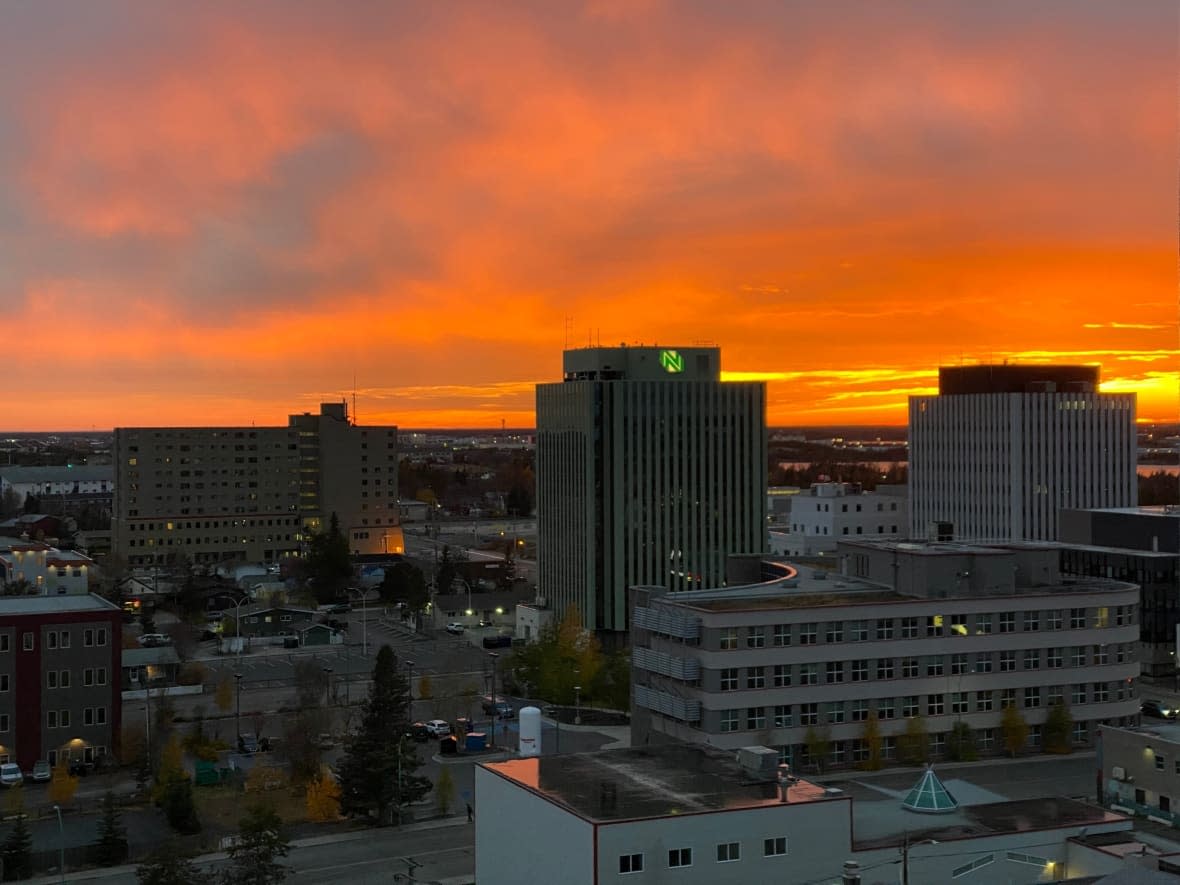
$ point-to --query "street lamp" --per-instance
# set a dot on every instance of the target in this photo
(410, 683)
(327, 685)
(577, 705)
(905, 847)
(238, 710)
(495, 710)
(364, 619)
(61, 845)
(238, 623)
(470, 610)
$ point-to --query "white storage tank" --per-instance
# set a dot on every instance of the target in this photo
(530, 731)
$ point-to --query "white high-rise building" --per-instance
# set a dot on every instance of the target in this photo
(650, 470)
(1001, 449)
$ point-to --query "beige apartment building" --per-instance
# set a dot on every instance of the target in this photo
(946, 632)
(219, 494)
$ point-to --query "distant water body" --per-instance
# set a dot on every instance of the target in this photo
(884, 466)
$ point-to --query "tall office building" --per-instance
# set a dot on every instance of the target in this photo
(213, 494)
(1001, 449)
(650, 470)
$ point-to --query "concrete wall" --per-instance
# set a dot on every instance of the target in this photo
(520, 837)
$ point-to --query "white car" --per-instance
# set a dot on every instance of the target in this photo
(438, 728)
(11, 775)
(455, 628)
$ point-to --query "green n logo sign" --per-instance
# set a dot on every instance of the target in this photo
(672, 361)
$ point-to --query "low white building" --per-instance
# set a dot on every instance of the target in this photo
(829, 512)
(691, 814)
(50, 571)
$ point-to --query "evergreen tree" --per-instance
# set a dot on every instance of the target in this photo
(377, 773)
(447, 572)
(329, 565)
(174, 791)
(16, 850)
(254, 856)
(960, 743)
(1058, 731)
(111, 847)
(1014, 729)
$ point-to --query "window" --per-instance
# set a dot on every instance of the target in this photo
(885, 708)
(937, 743)
(4, 642)
(782, 716)
(809, 674)
(934, 625)
(1056, 695)
(1053, 658)
(728, 640)
(835, 712)
(1101, 692)
(934, 705)
(88, 638)
(958, 664)
(1032, 622)
(63, 639)
(983, 624)
(1053, 619)
(88, 676)
(680, 857)
(774, 847)
(885, 668)
(986, 738)
(100, 676)
(1007, 661)
(860, 711)
(934, 665)
(729, 679)
(1102, 617)
(1081, 735)
(3, 722)
(755, 637)
(782, 634)
(1077, 657)
(959, 702)
(909, 628)
(28, 642)
(884, 628)
(51, 639)
(1078, 694)
(755, 677)
(834, 632)
(782, 675)
(835, 671)
(983, 701)
(88, 716)
(909, 706)
(51, 679)
(909, 668)
(1007, 622)
(727, 852)
(807, 634)
(1007, 698)
(51, 719)
(809, 714)
(630, 863)
(983, 663)
(1077, 619)
(860, 671)
(1032, 659)
(729, 720)
(958, 625)
(858, 631)
(1032, 697)
(100, 714)
(755, 718)
(1099, 654)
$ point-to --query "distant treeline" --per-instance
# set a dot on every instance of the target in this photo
(1159, 488)
(868, 475)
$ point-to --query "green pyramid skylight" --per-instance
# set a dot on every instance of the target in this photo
(929, 796)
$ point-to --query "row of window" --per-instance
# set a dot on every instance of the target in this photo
(823, 529)
(90, 716)
(910, 706)
(727, 852)
(91, 636)
(785, 675)
(883, 629)
(90, 676)
(210, 524)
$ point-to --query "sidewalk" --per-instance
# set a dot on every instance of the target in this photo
(308, 842)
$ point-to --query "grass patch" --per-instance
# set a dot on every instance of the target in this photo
(221, 807)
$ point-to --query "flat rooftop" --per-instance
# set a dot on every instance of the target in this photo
(648, 782)
(799, 599)
(14, 606)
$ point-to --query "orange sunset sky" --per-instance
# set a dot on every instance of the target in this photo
(220, 213)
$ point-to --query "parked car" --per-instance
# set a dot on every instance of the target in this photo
(153, 640)
(247, 744)
(419, 732)
(342, 608)
(489, 703)
(1156, 710)
(11, 775)
(485, 623)
(41, 771)
(438, 728)
(455, 628)
(497, 642)
(504, 710)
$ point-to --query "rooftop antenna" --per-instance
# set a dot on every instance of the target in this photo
(354, 397)
(569, 324)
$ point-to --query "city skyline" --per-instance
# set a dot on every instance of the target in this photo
(233, 212)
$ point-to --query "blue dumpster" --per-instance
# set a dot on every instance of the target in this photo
(476, 740)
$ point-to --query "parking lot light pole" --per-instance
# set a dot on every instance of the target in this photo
(61, 845)
(238, 624)
(364, 619)
(238, 710)
(577, 705)
(327, 686)
(495, 711)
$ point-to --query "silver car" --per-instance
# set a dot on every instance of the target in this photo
(11, 775)
(41, 772)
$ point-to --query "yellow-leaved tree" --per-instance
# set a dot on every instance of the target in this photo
(323, 798)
